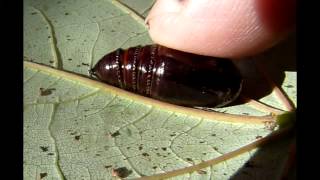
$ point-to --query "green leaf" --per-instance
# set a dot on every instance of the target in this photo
(80, 131)
(142, 7)
(76, 128)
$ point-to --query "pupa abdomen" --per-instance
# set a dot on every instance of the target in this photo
(172, 76)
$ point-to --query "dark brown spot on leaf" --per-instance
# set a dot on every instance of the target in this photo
(44, 148)
(46, 92)
(66, 13)
(85, 64)
(115, 134)
(42, 175)
(50, 154)
(77, 137)
(121, 172)
(289, 86)
(108, 166)
(164, 148)
(154, 167)
(189, 159)
(33, 13)
(258, 137)
(51, 61)
(69, 59)
(145, 154)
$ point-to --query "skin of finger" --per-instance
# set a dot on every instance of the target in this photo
(222, 28)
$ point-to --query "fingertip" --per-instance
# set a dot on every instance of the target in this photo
(222, 28)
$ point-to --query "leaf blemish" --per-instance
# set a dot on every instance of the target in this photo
(145, 154)
(108, 166)
(164, 148)
(44, 148)
(77, 137)
(66, 14)
(42, 175)
(33, 13)
(121, 172)
(115, 134)
(46, 92)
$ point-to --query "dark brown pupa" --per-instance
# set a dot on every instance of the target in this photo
(172, 76)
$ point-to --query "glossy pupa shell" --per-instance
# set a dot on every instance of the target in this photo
(172, 76)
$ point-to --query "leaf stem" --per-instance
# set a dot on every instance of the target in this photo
(284, 99)
(270, 119)
(258, 143)
(130, 11)
(261, 106)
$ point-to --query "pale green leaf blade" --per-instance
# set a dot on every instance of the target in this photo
(74, 35)
(142, 7)
(89, 131)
